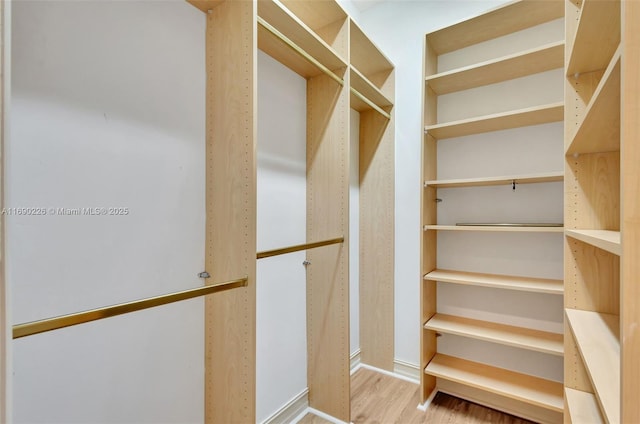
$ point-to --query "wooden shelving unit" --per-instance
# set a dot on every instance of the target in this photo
(507, 282)
(546, 177)
(525, 388)
(496, 228)
(525, 338)
(513, 392)
(597, 337)
(534, 115)
(601, 211)
(550, 56)
(582, 407)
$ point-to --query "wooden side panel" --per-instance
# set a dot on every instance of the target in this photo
(377, 201)
(630, 154)
(231, 48)
(327, 275)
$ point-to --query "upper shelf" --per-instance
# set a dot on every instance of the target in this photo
(499, 121)
(598, 339)
(597, 36)
(515, 228)
(317, 15)
(547, 57)
(602, 239)
(599, 131)
(503, 20)
(544, 177)
(367, 58)
(509, 335)
(498, 281)
(361, 84)
(293, 29)
(205, 5)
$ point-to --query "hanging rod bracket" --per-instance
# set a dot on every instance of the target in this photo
(204, 274)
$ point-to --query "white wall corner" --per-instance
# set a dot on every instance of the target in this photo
(292, 411)
(355, 361)
(407, 369)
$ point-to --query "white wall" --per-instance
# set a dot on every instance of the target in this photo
(281, 280)
(398, 28)
(107, 111)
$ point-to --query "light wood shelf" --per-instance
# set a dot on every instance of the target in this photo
(499, 121)
(602, 239)
(509, 282)
(496, 228)
(596, 38)
(299, 33)
(533, 390)
(525, 338)
(366, 57)
(598, 340)
(583, 407)
(599, 131)
(205, 5)
(316, 15)
(515, 16)
(547, 57)
(545, 177)
(367, 89)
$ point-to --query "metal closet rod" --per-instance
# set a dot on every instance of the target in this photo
(371, 104)
(298, 247)
(41, 326)
(300, 50)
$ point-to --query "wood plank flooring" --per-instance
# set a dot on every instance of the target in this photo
(380, 399)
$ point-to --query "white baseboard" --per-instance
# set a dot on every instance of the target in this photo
(292, 411)
(355, 360)
(407, 369)
(320, 414)
(425, 405)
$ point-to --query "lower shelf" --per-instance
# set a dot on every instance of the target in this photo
(583, 407)
(508, 282)
(525, 388)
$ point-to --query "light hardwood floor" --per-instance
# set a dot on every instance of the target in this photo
(381, 399)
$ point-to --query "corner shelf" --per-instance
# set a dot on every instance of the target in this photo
(499, 121)
(300, 34)
(596, 38)
(599, 131)
(544, 177)
(533, 390)
(528, 284)
(602, 239)
(547, 57)
(598, 339)
(496, 228)
(583, 407)
(525, 338)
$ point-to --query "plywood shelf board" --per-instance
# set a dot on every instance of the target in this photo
(526, 388)
(545, 58)
(598, 339)
(599, 131)
(583, 407)
(529, 284)
(525, 338)
(367, 89)
(205, 5)
(499, 121)
(545, 177)
(602, 239)
(317, 14)
(496, 228)
(515, 16)
(597, 36)
(300, 34)
(365, 55)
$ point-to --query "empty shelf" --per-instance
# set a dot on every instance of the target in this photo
(365, 55)
(524, 228)
(367, 89)
(499, 121)
(583, 407)
(597, 36)
(525, 338)
(550, 56)
(491, 181)
(534, 390)
(300, 34)
(598, 338)
(530, 284)
(503, 20)
(599, 131)
(602, 239)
